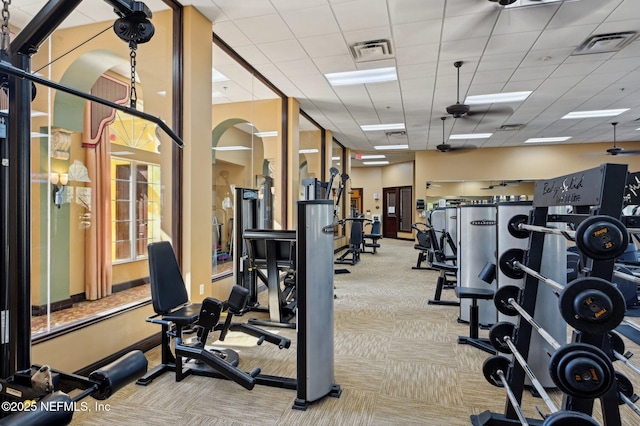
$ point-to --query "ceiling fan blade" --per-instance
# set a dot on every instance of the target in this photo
(491, 111)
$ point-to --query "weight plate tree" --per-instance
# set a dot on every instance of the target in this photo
(594, 196)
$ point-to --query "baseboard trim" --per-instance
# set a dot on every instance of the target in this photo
(40, 310)
(143, 345)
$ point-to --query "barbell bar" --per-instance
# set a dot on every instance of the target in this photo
(625, 392)
(493, 370)
(578, 369)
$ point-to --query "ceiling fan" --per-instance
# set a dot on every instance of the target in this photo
(459, 110)
(445, 147)
(616, 150)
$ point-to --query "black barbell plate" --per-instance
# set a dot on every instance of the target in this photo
(498, 332)
(502, 296)
(506, 265)
(491, 366)
(602, 237)
(513, 228)
(592, 305)
(623, 386)
(569, 418)
(616, 344)
(581, 370)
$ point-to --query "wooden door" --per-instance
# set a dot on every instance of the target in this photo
(389, 212)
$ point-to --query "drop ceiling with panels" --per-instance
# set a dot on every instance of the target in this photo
(529, 47)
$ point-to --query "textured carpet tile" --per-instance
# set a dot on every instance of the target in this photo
(397, 361)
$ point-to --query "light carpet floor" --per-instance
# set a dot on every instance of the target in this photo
(397, 361)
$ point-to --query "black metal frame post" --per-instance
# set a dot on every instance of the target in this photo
(16, 205)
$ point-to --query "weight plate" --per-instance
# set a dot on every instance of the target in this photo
(581, 370)
(569, 418)
(602, 237)
(502, 296)
(592, 305)
(513, 229)
(492, 365)
(616, 344)
(624, 386)
(498, 332)
(506, 265)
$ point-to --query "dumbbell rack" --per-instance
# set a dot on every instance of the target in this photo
(591, 192)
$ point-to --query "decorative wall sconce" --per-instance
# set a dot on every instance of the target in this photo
(59, 182)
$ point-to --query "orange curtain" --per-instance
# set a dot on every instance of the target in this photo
(98, 279)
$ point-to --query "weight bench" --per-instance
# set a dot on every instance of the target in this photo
(178, 317)
(473, 339)
(445, 270)
(374, 235)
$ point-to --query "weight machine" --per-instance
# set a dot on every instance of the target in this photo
(133, 26)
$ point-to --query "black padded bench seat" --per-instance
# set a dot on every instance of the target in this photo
(475, 294)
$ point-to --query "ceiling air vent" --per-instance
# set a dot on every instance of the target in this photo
(602, 43)
(373, 50)
(396, 133)
(511, 127)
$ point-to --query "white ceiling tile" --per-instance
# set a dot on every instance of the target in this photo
(545, 57)
(324, 45)
(360, 14)
(417, 71)
(417, 33)
(330, 64)
(588, 12)
(311, 21)
(417, 54)
(618, 26)
(628, 9)
(468, 26)
(464, 7)
(265, 28)
(498, 62)
(281, 51)
(405, 11)
(253, 55)
(245, 9)
(462, 50)
(525, 19)
(568, 69)
(367, 34)
(231, 34)
(298, 67)
(286, 5)
(563, 37)
(511, 43)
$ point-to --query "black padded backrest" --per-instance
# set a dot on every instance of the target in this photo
(167, 287)
(356, 233)
(375, 227)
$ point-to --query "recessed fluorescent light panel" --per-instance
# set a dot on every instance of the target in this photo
(376, 127)
(595, 113)
(497, 98)
(375, 163)
(382, 147)
(308, 151)
(231, 148)
(471, 136)
(266, 134)
(218, 77)
(547, 140)
(372, 156)
(348, 78)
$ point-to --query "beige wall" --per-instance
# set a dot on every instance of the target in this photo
(197, 174)
(73, 351)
